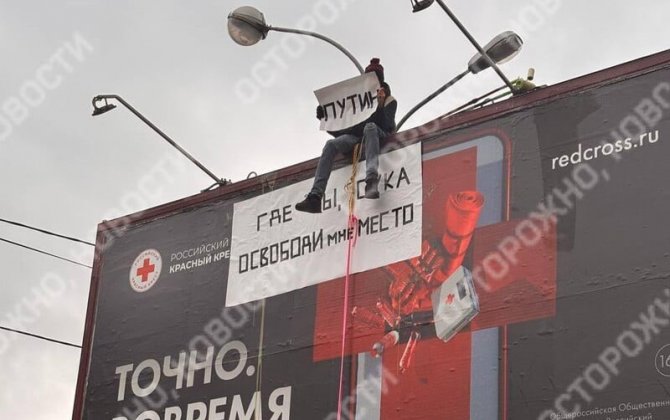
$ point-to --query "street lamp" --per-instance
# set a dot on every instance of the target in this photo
(418, 5)
(99, 109)
(502, 48)
(246, 26)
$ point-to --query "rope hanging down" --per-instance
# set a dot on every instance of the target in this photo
(351, 226)
(259, 365)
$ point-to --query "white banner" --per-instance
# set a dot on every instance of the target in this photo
(276, 249)
(348, 103)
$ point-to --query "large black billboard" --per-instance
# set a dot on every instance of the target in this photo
(537, 285)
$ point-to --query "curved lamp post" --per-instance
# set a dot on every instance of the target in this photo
(418, 5)
(246, 26)
(99, 108)
(500, 49)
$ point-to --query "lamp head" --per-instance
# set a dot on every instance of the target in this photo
(98, 110)
(246, 26)
(419, 5)
(501, 49)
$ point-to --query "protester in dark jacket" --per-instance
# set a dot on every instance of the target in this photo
(372, 131)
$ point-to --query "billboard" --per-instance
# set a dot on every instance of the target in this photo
(514, 268)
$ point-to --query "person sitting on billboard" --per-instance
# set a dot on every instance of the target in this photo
(373, 131)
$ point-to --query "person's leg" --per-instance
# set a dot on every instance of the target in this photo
(342, 144)
(372, 135)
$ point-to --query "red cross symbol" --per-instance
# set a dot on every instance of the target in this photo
(146, 269)
(450, 299)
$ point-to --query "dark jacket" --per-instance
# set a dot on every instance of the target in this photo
(384, 116)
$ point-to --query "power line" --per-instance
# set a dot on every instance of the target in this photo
(44, 252)
(69, 238)
(41, 337)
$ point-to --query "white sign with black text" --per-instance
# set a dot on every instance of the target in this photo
(349, 102)
(276, 249)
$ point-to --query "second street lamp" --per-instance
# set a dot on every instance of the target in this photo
(502, 48)
(246, 26)
(418, 5)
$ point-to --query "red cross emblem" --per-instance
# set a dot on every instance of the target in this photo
(450, 299)
(146, 269)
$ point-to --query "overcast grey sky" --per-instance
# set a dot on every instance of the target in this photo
(63, 170)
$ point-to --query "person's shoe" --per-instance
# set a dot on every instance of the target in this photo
(311, 204)
(371, 189)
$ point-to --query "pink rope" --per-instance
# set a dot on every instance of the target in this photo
(345, 311)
